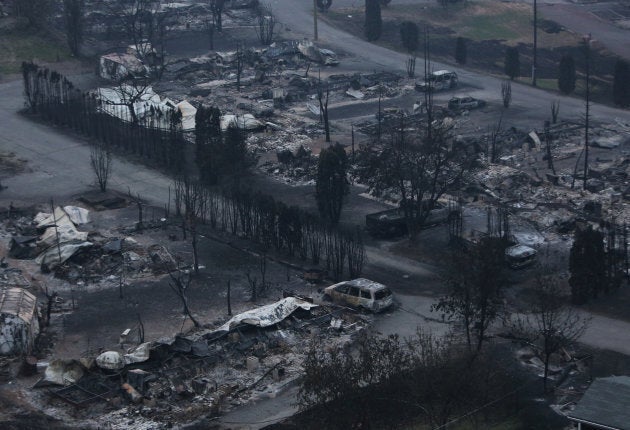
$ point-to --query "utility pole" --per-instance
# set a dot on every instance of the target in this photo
(587, 52)
(535, 42)
(315, 19)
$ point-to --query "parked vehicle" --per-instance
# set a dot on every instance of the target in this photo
(519, 256)
(361, 293)
(391, 223)
(461, 103)
(438, 80)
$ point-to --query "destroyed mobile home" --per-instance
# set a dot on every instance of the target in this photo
(19, 323)
(254, 354)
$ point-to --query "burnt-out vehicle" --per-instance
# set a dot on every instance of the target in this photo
(391, 223)
(361, 293)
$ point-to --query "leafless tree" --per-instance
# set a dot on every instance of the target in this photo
(266, 24)
(216, 6)
(210, 27)
(240, 58)
(323, 107)
(411, 66)
(129, 91)
(140, 21)
(356, 255)
(494, 138)
(416, 167)
(548, 140)
(180, 283)
(101, 162)
(553, 325)
(193, 198)
(506, 93)
(475, 289)
(555, 110)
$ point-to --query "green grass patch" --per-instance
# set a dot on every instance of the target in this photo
(504, 26)
(545, 84)
(23, 45)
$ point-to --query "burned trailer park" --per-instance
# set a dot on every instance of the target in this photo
(238, 214)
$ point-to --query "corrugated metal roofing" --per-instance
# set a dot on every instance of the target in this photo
(605, 403)
(19, 302)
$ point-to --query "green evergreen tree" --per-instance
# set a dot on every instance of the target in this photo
(373, 20)
(587, 265)
(621, 83)
(512, 63)
(566, 74)
(461, 54)
(409, 35)
(332, 183)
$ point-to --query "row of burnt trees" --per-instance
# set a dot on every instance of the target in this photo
(54, 98)
(271, 224)
(598, 261)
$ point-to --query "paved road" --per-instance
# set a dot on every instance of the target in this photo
(59, 162)
(533, 103)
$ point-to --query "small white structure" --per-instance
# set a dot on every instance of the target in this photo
(19, 325)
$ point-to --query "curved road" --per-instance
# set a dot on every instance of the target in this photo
(297, 17)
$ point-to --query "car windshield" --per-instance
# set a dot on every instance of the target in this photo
(382, 294)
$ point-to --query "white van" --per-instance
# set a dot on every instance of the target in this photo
(361, 293)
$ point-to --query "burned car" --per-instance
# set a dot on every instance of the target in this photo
(519, 256)
(438, 80)
(361, 293)
(465, 103)
(391, 223)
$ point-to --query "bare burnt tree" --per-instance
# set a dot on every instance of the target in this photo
(548, 141)
(36, 12)
(129, 91)
(411, 66)
(210, 27)
(506, 93)
(324, 5)
(262, 266)
(586, 44)
(356, 254)
(417, 168)
(101, 162)
(553, 324)
(555, 110)
(75, 20)
(494, 140)
(140, 21)
(253, 285)
(323, 107)
(180, 283)
(193, 197)
(475, 289)
(240, 58)
(216, 7)
(266, 24)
